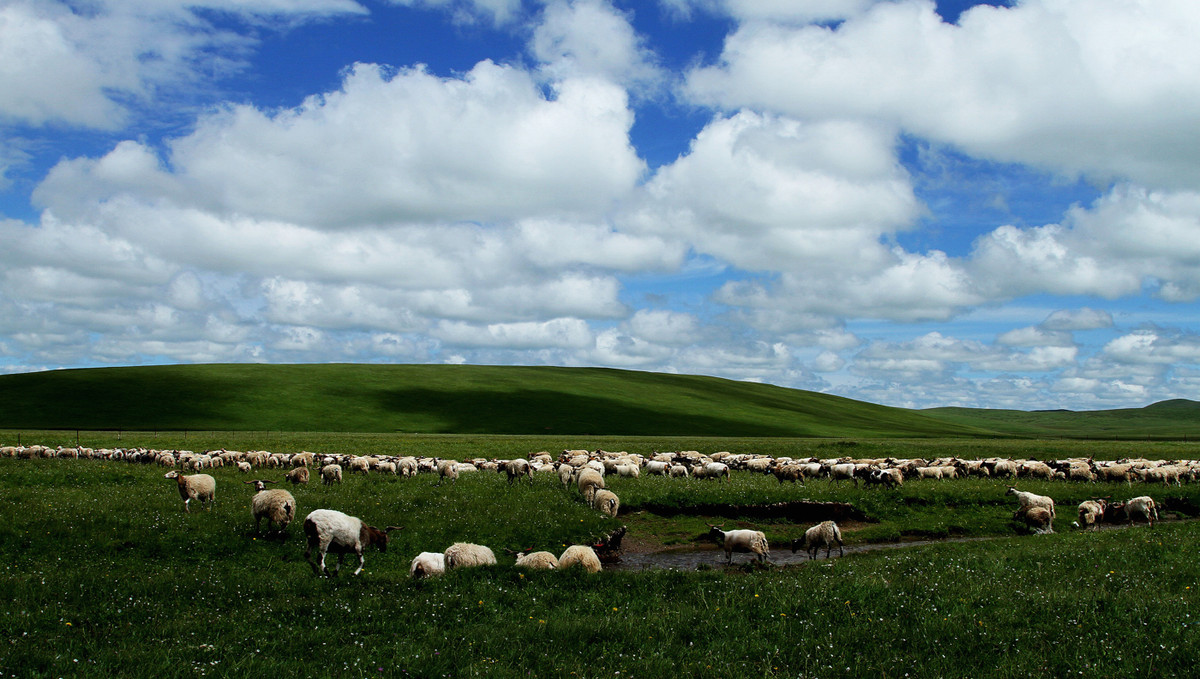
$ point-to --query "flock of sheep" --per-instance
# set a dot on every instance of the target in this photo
(329, 531)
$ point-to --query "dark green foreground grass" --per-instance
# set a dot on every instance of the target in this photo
(104, 575)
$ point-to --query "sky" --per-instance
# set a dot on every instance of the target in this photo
(905, 202)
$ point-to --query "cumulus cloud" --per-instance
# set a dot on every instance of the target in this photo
(785, 11)
(1080, 86)
(495, 12)
(591, 38)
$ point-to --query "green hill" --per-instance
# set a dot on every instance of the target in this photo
(1176, 418)
(441, 399)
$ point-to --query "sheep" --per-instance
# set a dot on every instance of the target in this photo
(426, 564)
(359, 465)
(1090, 514)
(516, 469)
(582, 556)
(331, 474)
(277, 506)
(628, 471)
(678, 471)
(788, 472)
(407, 466)
(566, 474)
(657, 468)
(824, 534)
(244, 467)
(447, 469)
(1143, 506)
(1026, 500)
(466, 555)
(589, 481)
(751, 541)
(200, 487)
(386, 467)
(329, 530)
(539, 561)
(606, 501)
(1037, 518)
(297, 476)
(841, 472)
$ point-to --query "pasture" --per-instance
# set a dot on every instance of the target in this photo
(105, 575)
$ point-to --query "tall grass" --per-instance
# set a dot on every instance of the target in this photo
(104, 575)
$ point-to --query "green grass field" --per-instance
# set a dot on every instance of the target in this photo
(105, 575)
(450, 399)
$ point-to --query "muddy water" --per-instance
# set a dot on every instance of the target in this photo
(691, 558)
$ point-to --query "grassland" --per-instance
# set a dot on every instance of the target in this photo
(104, 575)
(447, 399)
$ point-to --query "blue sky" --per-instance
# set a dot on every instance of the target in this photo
(899, 201)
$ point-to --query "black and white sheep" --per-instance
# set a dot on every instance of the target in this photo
(329, 530)
(199, 487)
(607, 502)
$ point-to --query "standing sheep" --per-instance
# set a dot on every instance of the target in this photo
(580, 555)
(742, 541)
(1090, 514)
(447, 469)
(824, 534)
(589, 481)
(277, 506)
(331, 474)
(201, 487)
(607, 502)
(1142, 506)
(1037, 518)
(1026, 500)
(298, 476)
(329, 530)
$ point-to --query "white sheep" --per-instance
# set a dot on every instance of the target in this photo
(742, 541)
(360, 465)
(606, 501)
(580, 555)
(628, 471)
(1026, 500)
(297, 476)
(589, 481)
(516, 469)
(447, 469)
(244, 467)
(426, 564)
(466, 555)
(1144, 506)
(1036, 517)
(408, 466)
(538, 561)
(678, 471)
(277, 506)
(825, 534)
(1090, 513)
(331, 474)
(201, 487)
(329, 530)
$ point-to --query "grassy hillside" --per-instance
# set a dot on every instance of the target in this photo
(1177, 418)
(441, 399)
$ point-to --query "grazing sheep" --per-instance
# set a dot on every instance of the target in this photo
(582, 556)
(516, 469)
(789, 472)
(359, 465)
(566, 474)
(244, 467)
(629, 471)
(201, 487)
(426, 564)
(538, 561)
(824, 534)
(678, 471)
(1090, 514)
(657, 468)
(447, 469)
(589, 481)
(297, 476)
(331, 474)
(466, 555)
(386, 467)
(889, 478)
(716, 470)
(1142, 506)
(277, 506)
(747, 541)
(407, 466)
(329, 530)
(607, 502)
(1037, 518)
(1026, 500)
(842, 472)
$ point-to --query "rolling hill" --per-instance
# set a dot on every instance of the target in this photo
(459, 399)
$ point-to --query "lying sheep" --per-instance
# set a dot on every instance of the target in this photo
(277, 506)
(1026, 500)
(426, 564)
(201, 487)
(582, 556)
(329, 530)
(1090, 514)
(607, 502)
(1037, 518)
(742, 541)
(1142, 506)
(331, 474)
(467, 555)
(824, 534)
(538, 561)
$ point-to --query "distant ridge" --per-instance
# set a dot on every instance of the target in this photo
(462, 399)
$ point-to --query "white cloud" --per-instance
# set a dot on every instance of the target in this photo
(560, 333)
(1104, 87)
(495, 12)
(784, 11)
(1078, 319)
(591, 38)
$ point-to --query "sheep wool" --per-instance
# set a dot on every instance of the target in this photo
(467, 555)
(276, 505)
(825, 534)
(427, 564)
(538, 561)
(607, 502)
(200, 487)
(582, 556)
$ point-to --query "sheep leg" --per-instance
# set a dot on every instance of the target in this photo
(361, 560)
(185, 505)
